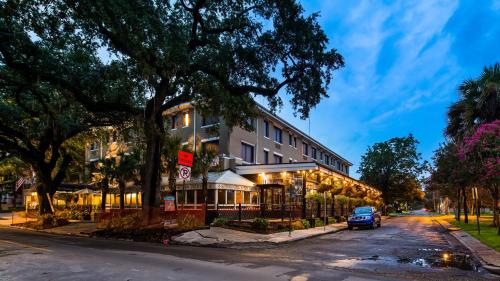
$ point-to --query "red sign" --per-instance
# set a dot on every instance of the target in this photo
(169, 204)
(185, 158)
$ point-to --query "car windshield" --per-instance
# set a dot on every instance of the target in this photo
(363, 210)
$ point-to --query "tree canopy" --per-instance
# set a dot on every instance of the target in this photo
(394, 167)
(142, 57)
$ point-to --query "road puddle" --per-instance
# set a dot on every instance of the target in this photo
(436, 259)
(428, 259)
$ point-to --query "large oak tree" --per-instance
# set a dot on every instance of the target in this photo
(218, 54)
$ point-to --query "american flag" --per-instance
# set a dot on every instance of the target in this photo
(19, 183)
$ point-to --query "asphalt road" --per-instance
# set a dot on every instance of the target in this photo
(409, 248)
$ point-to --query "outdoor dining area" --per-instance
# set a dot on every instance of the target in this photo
(275, 191)
(88, 197)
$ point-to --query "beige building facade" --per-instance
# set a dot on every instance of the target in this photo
(273, 140)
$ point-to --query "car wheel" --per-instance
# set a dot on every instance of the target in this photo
(349, 227)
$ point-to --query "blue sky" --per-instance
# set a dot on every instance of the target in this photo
(404, 62)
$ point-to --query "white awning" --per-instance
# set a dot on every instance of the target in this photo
(226, 177)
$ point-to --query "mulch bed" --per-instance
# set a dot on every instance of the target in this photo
(156, 234)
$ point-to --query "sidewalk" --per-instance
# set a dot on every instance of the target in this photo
(490, 259)
(223, 237)
(83, 229)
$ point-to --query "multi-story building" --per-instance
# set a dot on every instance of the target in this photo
(262, 169)
(273, 140)
(282, 161)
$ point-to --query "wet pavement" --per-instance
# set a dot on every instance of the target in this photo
(404, 248)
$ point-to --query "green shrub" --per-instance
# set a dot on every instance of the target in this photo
(46, 220)
(70, 214)
(260, 224)
(219, 222)
(49, 221)
(306, 223)
(121, 223)
(318, 222)
(332, 220)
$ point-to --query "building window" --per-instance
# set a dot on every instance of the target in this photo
(278, 135)
(278, 159)
(290, 139)
(266, 157)
(295, 142)
(290, 160)
(246, 197)
(210, 146)
(321, 155)
(221, 196)
(347, 169)
(338, 165)
(230, 196)
(210, 196)
(305, 148)
(313, 154)
(327, 160)
(173, 122)
(190, 197)
(209, 120)
(254, 198)
(266, 128)
(247, 152)
(185, 119)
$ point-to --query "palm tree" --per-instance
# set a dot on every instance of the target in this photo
(171, 146)
(202, 164)
(479, 103)
(103, 173)
(127, 169)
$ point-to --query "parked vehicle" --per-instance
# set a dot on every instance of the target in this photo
(366, 216)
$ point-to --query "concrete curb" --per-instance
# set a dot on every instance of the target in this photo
(458, 234)
(256, 244)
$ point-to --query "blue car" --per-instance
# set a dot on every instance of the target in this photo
(364, 217)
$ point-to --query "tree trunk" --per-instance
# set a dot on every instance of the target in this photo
(121, 186)
(151, 179)
(104, 189)
(44, 205)
(458, 206)
(333, 205)
(466, 211)
(172, 184)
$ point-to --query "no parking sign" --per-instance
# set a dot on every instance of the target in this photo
(185, 173)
